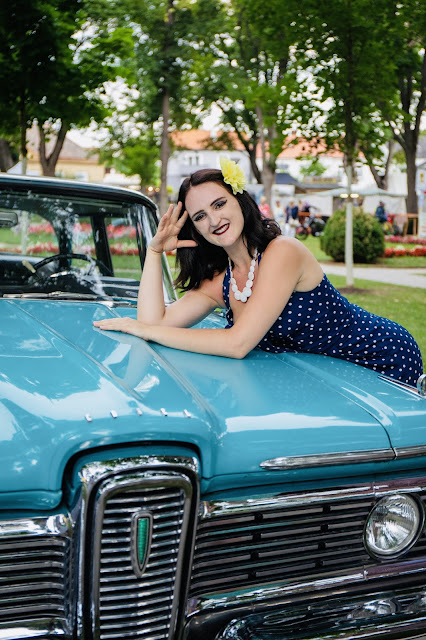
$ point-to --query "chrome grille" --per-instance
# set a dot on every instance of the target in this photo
(127, 605)
(33, 578)
(291, 543)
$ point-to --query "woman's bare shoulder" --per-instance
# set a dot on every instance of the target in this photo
(284, 246)
(290, 256)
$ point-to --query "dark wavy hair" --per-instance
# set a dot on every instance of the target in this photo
(195, 264)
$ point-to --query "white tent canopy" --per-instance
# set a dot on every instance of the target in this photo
(370, 195)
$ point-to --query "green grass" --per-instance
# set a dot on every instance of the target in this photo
(405, 305)
(401, 262)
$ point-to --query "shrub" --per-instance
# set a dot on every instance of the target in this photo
(368, 237)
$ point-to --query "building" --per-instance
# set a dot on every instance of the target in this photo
(75, 162)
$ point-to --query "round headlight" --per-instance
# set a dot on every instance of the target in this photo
(393, 525)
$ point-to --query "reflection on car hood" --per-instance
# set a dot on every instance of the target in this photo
(66, 387)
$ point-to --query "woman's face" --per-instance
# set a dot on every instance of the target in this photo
(215, 213)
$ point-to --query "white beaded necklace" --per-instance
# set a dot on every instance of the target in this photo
(243, 295)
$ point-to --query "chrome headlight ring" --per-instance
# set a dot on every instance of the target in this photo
(393, 526)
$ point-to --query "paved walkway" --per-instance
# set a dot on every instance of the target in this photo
(407, 277)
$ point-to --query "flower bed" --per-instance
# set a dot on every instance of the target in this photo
(42, 247)
(406, 240)
(391, 252)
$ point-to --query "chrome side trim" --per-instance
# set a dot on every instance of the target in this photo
(328, 459)
(410, 452)
(260, 596)
(59, 524)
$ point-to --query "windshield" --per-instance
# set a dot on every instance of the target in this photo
(76, 245)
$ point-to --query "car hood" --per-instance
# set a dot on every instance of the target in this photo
(66, 388)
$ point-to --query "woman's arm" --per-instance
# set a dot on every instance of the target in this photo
(284, 265)
(151, 308)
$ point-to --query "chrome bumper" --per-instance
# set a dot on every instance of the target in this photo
(390, 615)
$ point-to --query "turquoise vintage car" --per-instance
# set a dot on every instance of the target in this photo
(150, 493)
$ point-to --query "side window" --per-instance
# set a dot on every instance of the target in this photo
(123, 246)
(32, 236)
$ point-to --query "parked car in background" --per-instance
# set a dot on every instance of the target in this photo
(151, 493)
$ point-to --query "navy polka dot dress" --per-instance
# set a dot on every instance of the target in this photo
(323, 321)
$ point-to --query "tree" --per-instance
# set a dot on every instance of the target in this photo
(314, 166)
(58, 60)
(344, 37)
(407, 52)
(133, 152)
(30, 43)
(8, 157)
(169, 33)
(252, 77)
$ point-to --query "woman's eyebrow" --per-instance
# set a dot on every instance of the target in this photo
(211, 204)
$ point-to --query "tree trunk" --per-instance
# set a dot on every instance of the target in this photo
(268, 174)
(23, 137)
(48, 163)
(410, 156)
(381, 180)
(165, 153)
(349, 251)
(6, 159)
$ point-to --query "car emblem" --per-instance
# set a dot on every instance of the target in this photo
(141, 541)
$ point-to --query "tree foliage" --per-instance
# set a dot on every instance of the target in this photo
(251, 74)
(168, 34)
(56, 58)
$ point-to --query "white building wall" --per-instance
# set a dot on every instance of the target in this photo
(184, 162)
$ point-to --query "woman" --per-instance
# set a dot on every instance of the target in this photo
(275, 292)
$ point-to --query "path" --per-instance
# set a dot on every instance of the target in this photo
(406, 277)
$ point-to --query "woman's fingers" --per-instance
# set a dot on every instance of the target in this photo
(111, 324)
(181, 221)
(175, 214)
(186, 243)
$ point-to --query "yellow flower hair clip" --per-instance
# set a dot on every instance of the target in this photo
(232, 175)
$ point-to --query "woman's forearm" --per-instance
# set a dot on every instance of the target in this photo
(218, 342)
(151, 297)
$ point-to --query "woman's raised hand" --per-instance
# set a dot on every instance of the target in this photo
(166, 238)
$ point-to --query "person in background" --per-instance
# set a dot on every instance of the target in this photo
(380, 213)
(292, 218)
(264, 208)
(279, 215)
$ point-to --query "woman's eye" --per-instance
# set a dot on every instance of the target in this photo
(220, 204)
(198, 217)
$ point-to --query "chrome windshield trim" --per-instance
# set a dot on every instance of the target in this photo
(259, 596)
(55, 295)
(327, 459)
(398, 383)
(73, 297)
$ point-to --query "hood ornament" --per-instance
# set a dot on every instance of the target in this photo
(141, 535)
